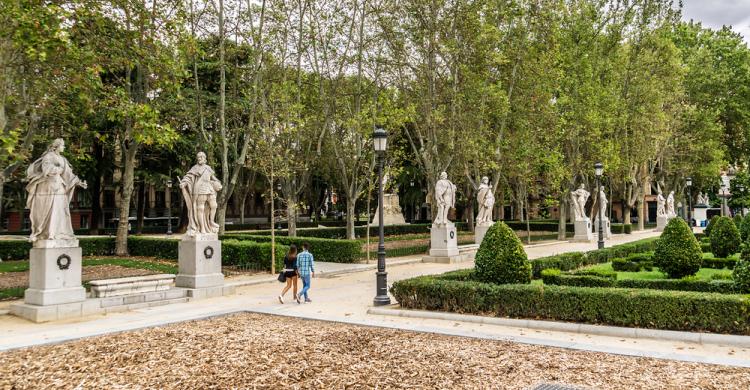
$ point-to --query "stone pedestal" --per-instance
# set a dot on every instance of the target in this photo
(583, 231)
(199, 262)
(55, 274)
(700, 215)
(607, 228)
(443, 244)
(480, 231)
(661, 222)
(392, 214)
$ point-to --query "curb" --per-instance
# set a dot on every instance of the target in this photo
(600, 330)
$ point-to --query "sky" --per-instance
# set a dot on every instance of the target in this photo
(715, 13)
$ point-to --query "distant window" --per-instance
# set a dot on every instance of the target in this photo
(84, 221)
(26, 225)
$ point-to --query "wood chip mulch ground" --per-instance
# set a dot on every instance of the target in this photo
(268, 352)
(92, 272)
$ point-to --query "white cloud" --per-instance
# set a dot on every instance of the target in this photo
(716, 13)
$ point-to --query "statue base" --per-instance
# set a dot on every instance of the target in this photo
(607, 228)
(391, 212)
(54, 275)
(199, 262)
(583, 231)
(661, 222)
(443, 240)
(700, 215)
(480, 230)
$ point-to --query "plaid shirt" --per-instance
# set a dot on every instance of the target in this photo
(305, 263)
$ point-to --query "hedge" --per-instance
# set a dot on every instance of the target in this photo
(555, 277)
(335, 251)
(718, 263)
(161, 248)
(675, 310)
(248, 254)
(90, 246)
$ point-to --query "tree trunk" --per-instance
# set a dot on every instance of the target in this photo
(141, 210)
(95, 189)
(126, 193)
(2, 189)
(641, 213)
(351, 205)
(291, 215)
(561, 225)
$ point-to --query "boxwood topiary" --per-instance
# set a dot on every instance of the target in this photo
(737, 219)
(741, 275)
(745, 228)
(710, 226)
(501, 258)
(725, 238)
(677, 251)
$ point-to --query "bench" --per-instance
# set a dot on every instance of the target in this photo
(131, 285)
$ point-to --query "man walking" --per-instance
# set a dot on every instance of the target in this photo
(305, 264)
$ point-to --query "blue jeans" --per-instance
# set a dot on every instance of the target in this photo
(305, 285)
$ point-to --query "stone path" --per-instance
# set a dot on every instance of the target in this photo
(347, 298)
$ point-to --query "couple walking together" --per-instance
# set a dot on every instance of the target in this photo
(297, 266)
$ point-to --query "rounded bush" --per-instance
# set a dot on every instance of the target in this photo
(501, 258)
(678, 253)
(741, 275)
(745, 228)
(710, 226)
(725, 238)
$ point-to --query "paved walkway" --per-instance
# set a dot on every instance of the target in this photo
(347, 297)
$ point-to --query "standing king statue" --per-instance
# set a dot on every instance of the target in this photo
(486, 200)
(199, 188)
(579, 198)
(51, 187)
(445, 195)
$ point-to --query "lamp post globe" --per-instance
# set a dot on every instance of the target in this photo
(379, 143)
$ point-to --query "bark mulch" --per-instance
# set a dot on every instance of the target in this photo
(92, 272)
(268, 352)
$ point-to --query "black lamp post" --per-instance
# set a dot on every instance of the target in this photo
(598, 170)
(169, 207)
(379, 140)
(689, 184)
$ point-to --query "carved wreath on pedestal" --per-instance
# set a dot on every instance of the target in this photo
(208, 252)
(63, 262)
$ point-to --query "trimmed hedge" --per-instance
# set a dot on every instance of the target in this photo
(674, 310)
(564, 261)
(741, 276)
(677, 251)
(710, 225)
(248, 254)
(335, 251)
(555, 277)
(501, 257)
(718, 263)
(161, 248)
(90, 246)
(626, 265)
(725, 237)
(745, 228)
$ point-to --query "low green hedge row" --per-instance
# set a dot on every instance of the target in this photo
(573, 260)
(249, 254)
(336, 251)
(557, 278)
(718, 263)
(359, 231)
(675, 310)
(90, 246)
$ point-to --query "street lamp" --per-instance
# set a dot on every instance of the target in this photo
(168, 200)
(598, 170)
(689, 183)
(379, 140)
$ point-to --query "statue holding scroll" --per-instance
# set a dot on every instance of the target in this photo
(199, 188)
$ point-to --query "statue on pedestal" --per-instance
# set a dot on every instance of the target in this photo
(51, 184)
(199, 188)
(445, 195)
(602, 202)
(670, 205)
(661, 210)
(578, 199)
(486, 200)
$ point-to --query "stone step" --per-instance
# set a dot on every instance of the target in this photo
(144, 305)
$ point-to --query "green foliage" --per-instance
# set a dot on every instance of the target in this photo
(248, 254)
(335, 251)
(745, 228)
(90, 246)
(713, 286)
(710, 226)
(563, 261)
(741, 275)
(718, 263)
(621, 264)
(153, 247)
(737, 219)
(725, 238)
(677, 251)
(501, 257)
(674, 310)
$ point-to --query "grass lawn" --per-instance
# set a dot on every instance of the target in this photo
(703, 273)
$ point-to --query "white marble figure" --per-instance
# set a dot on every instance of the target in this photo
(199, 188)
(578, 199)
(661, 210)
(670, 205)
(602, 202)
(486, 201)
(445, 195)
(703, 199)
(51, 187)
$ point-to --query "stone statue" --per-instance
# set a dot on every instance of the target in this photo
(486, 200)
(199, 188)
(578, 199)
(51, 187)
(602, 202)
(445, 195)
(670, 205)
(703, 199)
(661, 210)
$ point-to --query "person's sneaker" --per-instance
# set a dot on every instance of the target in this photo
(297, 299)
(281, 300)
(308, 300)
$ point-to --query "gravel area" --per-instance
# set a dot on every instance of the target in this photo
(92, 272)
(268, 352)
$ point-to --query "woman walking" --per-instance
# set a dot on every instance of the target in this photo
(290, 273)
